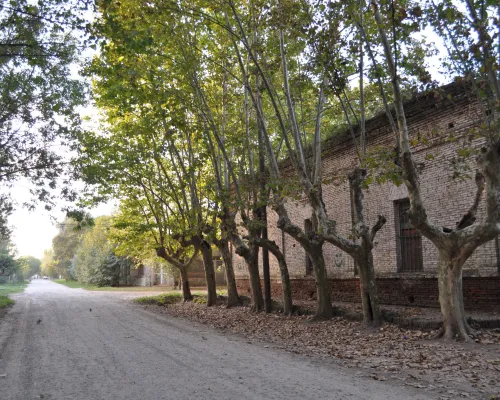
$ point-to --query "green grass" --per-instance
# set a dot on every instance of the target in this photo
(161, 299)
(75, 284)
(5, 301)
(175, 296)
(9, 288)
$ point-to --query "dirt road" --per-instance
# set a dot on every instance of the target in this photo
(62, 343)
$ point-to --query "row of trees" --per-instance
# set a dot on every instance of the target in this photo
(13, 268)
(39, 96)
(86, 253)
(40, 43)
(206, 104)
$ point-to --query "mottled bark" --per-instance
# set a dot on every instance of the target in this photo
(266, 273)
(182, 267)
(368, 288)
(455, 246)
(363, 254)
(251, 256)
(208, 263)
(324, 308)
(451, 297)
(272, 247)
(249, 252)
(233, 299)
(253, 273)
(313, 246)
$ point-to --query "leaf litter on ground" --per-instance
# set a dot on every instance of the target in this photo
(468, 370)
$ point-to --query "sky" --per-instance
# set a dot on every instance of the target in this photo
(34, 230)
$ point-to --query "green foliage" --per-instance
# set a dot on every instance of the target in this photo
(94, 262)
(173, 86)
(9, 266)
(38, 94)
(65, 244)
(29, 266)
(48, 265)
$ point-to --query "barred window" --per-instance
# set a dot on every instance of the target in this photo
(408, 240)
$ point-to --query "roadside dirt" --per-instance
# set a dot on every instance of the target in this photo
(454, 370)
(61, 343)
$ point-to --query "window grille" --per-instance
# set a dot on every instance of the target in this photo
(409, 240)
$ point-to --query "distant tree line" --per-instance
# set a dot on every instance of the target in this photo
(88, 253)
(13, 268)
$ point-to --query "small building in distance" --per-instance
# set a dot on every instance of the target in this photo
(144, 275)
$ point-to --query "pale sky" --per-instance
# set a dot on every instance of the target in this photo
(34, 230)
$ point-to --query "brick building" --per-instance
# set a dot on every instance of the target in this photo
(405, 262)
(144, 275)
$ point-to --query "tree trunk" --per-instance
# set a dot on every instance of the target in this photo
(324, 308)
(208, 263)
(369, 294)
(233, 299)
(314, 249)
(186, 291)
(285, 277)
(286, 287)
(268, 302)
(253, 272)
(250, 254)
(451, 298)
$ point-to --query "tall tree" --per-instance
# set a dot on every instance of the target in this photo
(8, 264)
(39, 96)
(477, 56)
(31, 265)
(94, 261)
(65, 244)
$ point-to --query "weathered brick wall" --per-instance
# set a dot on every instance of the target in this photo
(431, 121)
(480, 293)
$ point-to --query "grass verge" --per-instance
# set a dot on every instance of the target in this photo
(76, 285)
(5, 301)
(9, 288)
(175, 296)
(161, 299)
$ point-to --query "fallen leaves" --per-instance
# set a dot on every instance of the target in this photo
(409, 355)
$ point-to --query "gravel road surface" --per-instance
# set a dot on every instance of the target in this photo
(62, 343)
